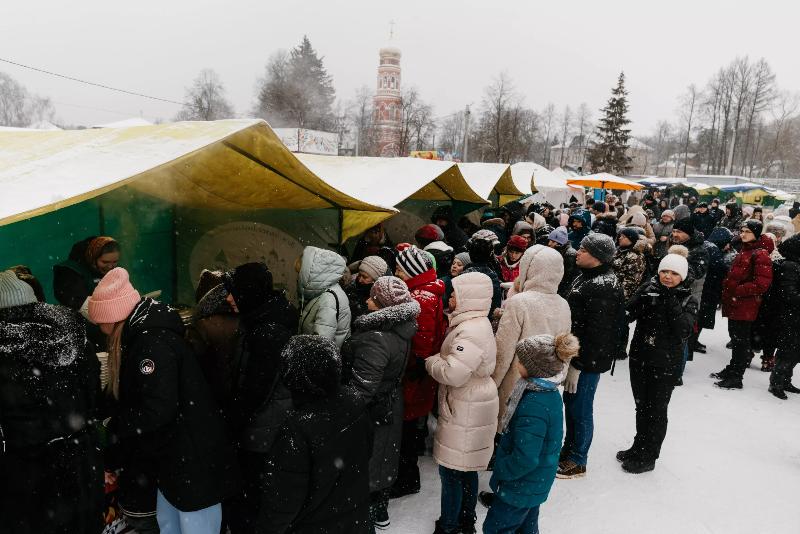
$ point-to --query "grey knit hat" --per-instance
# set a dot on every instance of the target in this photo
(545, 356)
(389, 291)
(14, 292)
(600, 246)
(373, 266)
(464, 258)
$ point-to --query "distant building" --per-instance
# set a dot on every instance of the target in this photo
(576, 154)
(388, 103)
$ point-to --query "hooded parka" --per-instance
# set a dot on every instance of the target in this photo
(535, 309)
(325, 307)
(468, 402)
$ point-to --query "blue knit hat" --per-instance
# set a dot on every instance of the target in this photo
(559, 235)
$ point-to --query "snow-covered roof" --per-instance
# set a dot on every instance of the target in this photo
(224, 165)
(125, 123)
(485, 178)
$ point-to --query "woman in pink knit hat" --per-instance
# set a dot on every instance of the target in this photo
(170, 437)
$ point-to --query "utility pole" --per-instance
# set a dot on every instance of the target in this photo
(466, 134)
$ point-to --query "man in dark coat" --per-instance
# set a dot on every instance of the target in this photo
(717, 245)
(684, 233)
(257, 402)
(317, 479)
(786, 291)
(579, 226)
(51, 473)
(716, 213)
(453, 235)
(703, 220)
(597, 305)
(481, 252)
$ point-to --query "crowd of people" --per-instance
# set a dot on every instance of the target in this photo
(261, 416)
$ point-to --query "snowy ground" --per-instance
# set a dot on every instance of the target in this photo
(730, 463)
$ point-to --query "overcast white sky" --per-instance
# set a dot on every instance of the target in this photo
(561, 52)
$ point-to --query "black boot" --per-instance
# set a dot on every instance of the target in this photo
(623, 456)
(699, 347)
(789, 388)
(730, 383)
(720, 375)
(486, 498)
(440, 530)
(778, 392)
(637, 465)
(467, 525)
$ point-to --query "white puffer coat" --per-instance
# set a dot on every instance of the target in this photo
(535, 309)
(468, 403)
(325, 306)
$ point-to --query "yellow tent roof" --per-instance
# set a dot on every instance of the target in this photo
(388, 181)
(228, 165)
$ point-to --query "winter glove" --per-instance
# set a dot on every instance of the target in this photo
(571, 382)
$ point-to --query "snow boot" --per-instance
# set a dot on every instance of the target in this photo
(730, 383)
(467, 526)
(486, 498)
(789, 388)
(623, 456)
(729, 345)
(720, 375)
(679, 381)
(570, 469)
(767, 364)
(637, 465)
(440, 530)
(777, 392)
(699, 347)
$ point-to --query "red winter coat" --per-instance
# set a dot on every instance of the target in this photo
(419, 389)
(747, 281)
(509, 272)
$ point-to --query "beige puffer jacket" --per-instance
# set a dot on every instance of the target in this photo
(468, 407)
(535, 309)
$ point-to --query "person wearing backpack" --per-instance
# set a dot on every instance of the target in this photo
(374, 360)
(324, 304)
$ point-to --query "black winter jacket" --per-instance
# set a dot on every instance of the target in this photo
(317, 479)
(357, 294)
(497, 291)
(597, 305)
(786, 290)
(167, 420)
(704, 222)
(664, 322)
(374, 359)
(51, 473)
(712, 287)
(258, 402)
(571, 271)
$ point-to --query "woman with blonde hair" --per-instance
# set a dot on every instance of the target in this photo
(170, 436)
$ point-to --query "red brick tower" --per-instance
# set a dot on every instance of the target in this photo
(388, 103)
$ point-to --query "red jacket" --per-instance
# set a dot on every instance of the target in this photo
(747, 281)
(419, 389)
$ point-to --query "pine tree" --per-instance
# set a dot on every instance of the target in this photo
(610, 153)
(297, 91)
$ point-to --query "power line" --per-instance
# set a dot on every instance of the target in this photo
(102, 86)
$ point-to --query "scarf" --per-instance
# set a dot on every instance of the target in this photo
(523, 385)
(95, 248)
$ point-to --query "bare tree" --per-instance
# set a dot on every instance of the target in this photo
(205, 99)
(688, 104)
(784, 112)
(566, 123)
(18, 107)
(416, 121)
(360, 112)
(548, 118)
(498, 99)
(763, 93)
(451, 133)
(583, 123)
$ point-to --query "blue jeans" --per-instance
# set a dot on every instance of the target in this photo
(580, 418)
(459, 497)
(173, 521)
(506, 519)
(685, 358)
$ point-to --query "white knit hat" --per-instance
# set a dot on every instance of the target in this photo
(676, 263)
(14, 292)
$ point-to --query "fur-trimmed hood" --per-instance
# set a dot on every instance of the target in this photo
(389, 318)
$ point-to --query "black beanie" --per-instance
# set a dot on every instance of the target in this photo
(684, 225)
(480, 250)
(755, 226)
(600, 207)
(631, 233)
(250, 284)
